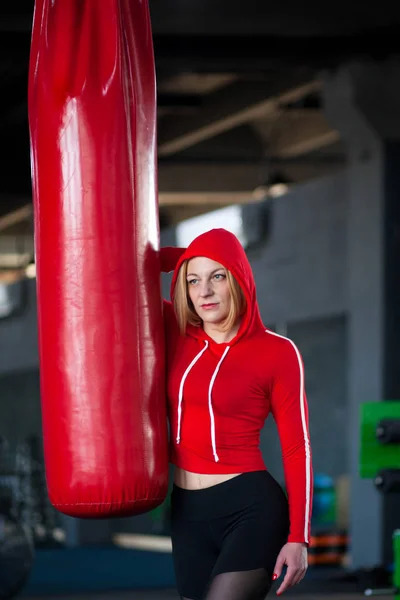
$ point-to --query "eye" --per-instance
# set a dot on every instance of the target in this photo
(192, 281)
(219, 276)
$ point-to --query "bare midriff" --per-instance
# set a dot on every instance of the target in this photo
(198, 481)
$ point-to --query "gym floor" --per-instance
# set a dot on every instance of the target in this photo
(172, 595)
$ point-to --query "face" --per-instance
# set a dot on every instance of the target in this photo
(208, 289)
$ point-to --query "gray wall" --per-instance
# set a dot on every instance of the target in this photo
(20, 406)
(18, 335)
(301, 271)
(323, 344)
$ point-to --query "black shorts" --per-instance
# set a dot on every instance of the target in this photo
(238, 525)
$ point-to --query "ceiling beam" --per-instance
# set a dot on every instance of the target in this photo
(11, 215)
(302, 141)
(236, 176)
(204, 198)
(232, 107)
(296, 132)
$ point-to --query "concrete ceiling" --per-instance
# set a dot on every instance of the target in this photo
(239, 96)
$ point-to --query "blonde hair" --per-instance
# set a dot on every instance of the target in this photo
(184, 309)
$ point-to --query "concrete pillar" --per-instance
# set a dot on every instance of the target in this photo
(362, 101)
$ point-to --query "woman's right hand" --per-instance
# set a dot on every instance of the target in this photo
(169, 256)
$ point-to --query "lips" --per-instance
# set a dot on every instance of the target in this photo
(209, 306)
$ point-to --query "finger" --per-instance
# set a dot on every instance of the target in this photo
(304, 573)
(300, 577)
(291, 573)
(278, 567)
(296, 579)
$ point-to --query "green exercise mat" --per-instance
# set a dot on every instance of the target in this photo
(374, 455)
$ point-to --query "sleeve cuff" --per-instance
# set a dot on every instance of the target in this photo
(298, 539)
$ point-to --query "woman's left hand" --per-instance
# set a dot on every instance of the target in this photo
(294, 556)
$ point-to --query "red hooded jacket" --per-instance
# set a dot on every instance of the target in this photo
(220, 394)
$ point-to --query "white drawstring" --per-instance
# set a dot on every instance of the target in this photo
(186, 373)
(210, 408)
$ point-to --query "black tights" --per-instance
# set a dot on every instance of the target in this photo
(239, 585)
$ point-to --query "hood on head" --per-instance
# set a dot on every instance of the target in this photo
(224, 247)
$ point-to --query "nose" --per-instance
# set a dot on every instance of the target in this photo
(206, 289)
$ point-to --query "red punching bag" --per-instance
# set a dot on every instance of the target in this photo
(92, 119)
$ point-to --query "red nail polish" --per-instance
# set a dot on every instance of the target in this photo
(275, 576)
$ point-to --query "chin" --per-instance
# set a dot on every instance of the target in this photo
(214, 319)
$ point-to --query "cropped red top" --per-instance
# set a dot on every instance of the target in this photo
(220, 394)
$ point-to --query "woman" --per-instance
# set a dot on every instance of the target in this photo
(233, 529)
